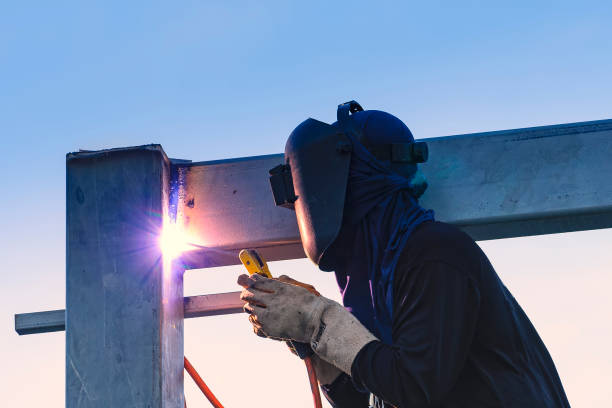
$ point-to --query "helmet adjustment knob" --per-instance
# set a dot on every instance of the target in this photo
(420, 152)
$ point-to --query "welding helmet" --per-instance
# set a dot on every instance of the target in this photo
(313, 180)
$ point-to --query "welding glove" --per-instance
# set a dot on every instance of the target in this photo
(307, 286)
(285, 311)
(326, 372)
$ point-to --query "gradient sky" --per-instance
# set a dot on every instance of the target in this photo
(212, 80)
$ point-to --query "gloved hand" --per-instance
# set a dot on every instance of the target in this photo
(308, 287)
(326, 372)
(280, 310)
(286, 311)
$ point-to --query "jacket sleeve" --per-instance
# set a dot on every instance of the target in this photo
(343, 394)
(434, 319)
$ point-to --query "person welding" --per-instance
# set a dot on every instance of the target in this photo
(425, 320)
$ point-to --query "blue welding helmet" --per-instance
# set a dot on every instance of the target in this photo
(313, 180)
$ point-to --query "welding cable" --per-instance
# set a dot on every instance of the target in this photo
(202, 385)
(312, 379)
(314, 383)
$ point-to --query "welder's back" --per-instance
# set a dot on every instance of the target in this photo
(460, 339)
(507, 364)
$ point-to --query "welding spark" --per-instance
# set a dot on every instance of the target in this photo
(173, 241)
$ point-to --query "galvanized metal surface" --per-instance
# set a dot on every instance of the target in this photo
(493, 185)
(194, 306)
(212, 305)
(124, 319)
(228, 206)
(40, 322)
(523, 182)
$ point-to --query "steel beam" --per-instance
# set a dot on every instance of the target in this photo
(193, 306)
(228, 205)
(124, 302)
(40, 322)
(213, 305)
(523, 182)
(500, 184)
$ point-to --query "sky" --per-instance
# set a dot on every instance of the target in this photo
(213, 80)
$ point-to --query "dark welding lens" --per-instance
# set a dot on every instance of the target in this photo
(282, 186)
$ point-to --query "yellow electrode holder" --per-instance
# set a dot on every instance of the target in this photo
(254, 263)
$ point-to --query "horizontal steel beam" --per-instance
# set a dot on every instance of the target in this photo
(212, 305)
(194, 306)
(40, 322)
(493, 185)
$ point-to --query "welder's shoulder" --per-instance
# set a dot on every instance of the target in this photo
(441, 242)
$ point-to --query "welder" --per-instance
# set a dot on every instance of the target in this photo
(425, 320)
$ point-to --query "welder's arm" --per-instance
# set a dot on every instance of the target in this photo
(342, 393)
(435, 314)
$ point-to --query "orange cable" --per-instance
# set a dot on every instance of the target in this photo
(202, 385)
(312, 378)
(314, 383)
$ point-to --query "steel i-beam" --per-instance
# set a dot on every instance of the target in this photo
(493, 185)
(193, 306)
(124, 302)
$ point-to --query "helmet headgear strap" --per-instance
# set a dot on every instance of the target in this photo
(413, 152)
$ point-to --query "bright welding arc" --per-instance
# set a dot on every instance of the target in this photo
(173, 241)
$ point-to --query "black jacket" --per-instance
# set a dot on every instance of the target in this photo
(460, 339)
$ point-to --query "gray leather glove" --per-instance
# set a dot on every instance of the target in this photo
(285, 311)
(326, 372)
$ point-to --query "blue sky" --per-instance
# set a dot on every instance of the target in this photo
(212, 80)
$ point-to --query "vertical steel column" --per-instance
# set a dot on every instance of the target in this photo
(124, 317)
